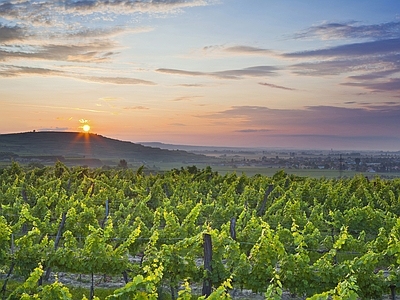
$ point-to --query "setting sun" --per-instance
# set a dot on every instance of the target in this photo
(86, 127)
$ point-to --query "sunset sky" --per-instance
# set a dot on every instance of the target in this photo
(315, 74)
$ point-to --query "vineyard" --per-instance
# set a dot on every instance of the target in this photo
(193, 234)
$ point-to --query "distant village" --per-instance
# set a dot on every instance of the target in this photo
(373, 162)
(382, 162)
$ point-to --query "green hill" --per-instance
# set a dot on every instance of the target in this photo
(94, 148)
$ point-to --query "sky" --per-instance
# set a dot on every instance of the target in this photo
(315, 74)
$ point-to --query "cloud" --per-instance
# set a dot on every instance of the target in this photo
(276, 86)
(54, 129)
(50, 12)
(351, 30)
(325, 120)
(139, 107)
(379, 47)
(117, 80)
(105, 32)
(95, 51)
(185, 98)
(75, 31)
(191, 85)
(131, 6)
(15, 71)
(258, 71)
(392, 84)
(181, 72)
(373, 64)
(56, 15)
(252, 130)
(64, 118)
(331, 67)
(11, 33)
(237, 50)
(329, 141)
(375, 75)
(312, 127)
(248, 50)
(110, 99)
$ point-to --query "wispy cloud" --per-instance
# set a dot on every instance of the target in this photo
(379, 81)
(77, 32)
(15, 71)
(258, 71)
(379, 47)
(11, 33)
(49, 12)
(105, 32)
(331, 66)
(132, 6)
(253, 130)
(369, 56)
(185, 98)
(237, 50)
(110, 99)
(353, 30)
(371, 119)
(248, 50)
(276, 86)
(59, 107)
(375, 75)
(372, 64)
(54, 129)
(192, 85)
(117, 80)
(392, 84)
(138, 107)
(95, 51)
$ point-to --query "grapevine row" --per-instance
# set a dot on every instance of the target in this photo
(316, 238)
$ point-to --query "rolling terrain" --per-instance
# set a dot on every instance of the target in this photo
(88, 148)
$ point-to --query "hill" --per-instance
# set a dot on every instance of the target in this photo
(93, 148)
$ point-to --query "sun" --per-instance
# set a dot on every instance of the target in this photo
(86, 127)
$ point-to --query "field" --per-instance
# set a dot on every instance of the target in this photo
(267, 171)
(192, 232)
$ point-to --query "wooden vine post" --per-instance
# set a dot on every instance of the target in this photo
(392, 292)
(57, 241)
(91, 294)
(4, 287)
(207, 284)
(232, 228)
(263, 206)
